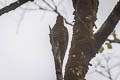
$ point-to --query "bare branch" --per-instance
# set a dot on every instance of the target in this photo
(56, 11)
(42, 8)
(68, 22)
(54, 4)
(101, 66)
(108, 26)
(45, 9)
(113, 41)
(107, 68)
(48, 4)
(13, 6)
(101, 73)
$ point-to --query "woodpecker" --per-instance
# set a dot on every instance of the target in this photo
(59, 40)
(60, 36)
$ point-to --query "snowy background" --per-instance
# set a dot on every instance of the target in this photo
(25, 50)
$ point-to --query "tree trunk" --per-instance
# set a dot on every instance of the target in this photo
(83, 47)
(85, 44)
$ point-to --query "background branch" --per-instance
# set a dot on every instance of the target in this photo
(105, 70)
(113, 41)
(108, 26)
(54, 4)
(13, 6)
(56, 11)
(18, 3)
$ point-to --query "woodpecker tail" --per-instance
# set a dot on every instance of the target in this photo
(50, 28)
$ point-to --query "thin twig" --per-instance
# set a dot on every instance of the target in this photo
(56, 11)
(48, 4)
(12, 6)
(42, 8)
(54, 4)
(101, 73)
(107, 68)
(68, 22)
(113, 41)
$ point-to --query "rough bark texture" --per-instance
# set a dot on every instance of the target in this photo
(83, 43)
(108, 26)
(13, 6)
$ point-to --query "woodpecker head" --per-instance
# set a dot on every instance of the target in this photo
(60, 19)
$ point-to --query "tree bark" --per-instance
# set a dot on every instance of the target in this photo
(85, 44)
(83, 47)
(13, 6)
(108, 26)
